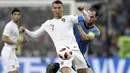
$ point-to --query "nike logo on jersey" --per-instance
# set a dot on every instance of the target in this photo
(52, 27)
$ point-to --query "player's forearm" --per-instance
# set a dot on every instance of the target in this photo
(8, 41)
(31, 34)
(83, 35)
(85, 14)
(21, 41)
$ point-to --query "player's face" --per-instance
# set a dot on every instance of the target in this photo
(91, 17)
(57, 10)
(16, 16)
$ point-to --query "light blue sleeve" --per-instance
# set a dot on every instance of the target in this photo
(96, 32)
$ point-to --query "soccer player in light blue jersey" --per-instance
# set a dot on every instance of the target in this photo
(90, 31)
(84, 33)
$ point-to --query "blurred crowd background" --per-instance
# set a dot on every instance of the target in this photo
(113, 22)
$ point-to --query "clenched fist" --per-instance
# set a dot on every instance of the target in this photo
(80, 8)
(21, 29)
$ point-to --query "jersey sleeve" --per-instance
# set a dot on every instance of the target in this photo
(96, 32)
(7, 30)
(37, 33)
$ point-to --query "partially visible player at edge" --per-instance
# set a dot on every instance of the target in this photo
(60, 29)
(87, 31)
(10, 38)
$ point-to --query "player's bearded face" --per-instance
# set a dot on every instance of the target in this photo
(57, 10)
(91, 18)
(16, 16)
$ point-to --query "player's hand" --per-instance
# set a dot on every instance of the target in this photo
(19, 42)
(15, 43)
(22, 29)
(80, 8)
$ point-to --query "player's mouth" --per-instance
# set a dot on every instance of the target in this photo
(57, 13)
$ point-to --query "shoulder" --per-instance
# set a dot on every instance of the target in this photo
(66, 17)
(47, 22)
(9, 25)
(96, 28)
(69, 16)
(80, 18)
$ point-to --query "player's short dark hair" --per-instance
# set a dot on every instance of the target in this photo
(94, 9)
(15, 10)
(57, 2)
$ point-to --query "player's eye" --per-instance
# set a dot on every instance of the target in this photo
(15, 14)
(59, 7)
(54, 7)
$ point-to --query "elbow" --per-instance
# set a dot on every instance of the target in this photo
(3, 39)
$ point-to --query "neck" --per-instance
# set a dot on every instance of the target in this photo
(16, 22)
(58, 17)
(89, 25)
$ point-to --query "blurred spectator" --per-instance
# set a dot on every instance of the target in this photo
(124, 44)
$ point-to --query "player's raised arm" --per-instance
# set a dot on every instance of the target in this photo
(89, 22)
(33, 34)
(84, 13)
(76, 19)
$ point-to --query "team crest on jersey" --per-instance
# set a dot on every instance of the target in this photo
(63, 19)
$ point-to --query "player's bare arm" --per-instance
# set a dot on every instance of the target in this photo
(21, 41)
(32, 34)
(83, 34)
(84, 12)
(7, 40)
(90, 19)
(22, 29)
(80, 8)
